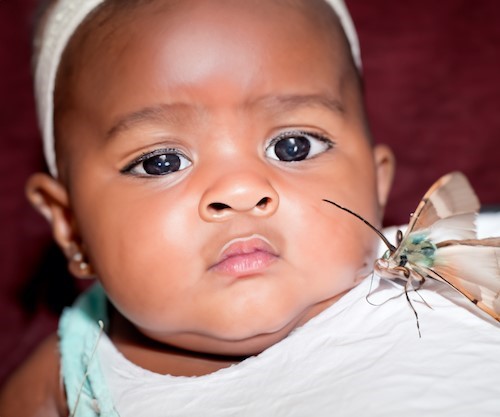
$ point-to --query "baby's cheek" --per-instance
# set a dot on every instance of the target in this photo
(350, 248)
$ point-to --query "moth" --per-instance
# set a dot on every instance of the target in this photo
(440, 243)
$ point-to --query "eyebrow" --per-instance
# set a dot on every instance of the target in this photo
(294, 101)
(170, 113)
(175, 112)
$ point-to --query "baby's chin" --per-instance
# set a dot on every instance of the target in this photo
(236, 348)
(244, 340)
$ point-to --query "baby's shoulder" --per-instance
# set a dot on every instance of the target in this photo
(35, 388)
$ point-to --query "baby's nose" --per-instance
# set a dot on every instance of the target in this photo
(239, 193)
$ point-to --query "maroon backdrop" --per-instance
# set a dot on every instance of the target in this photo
(431, 70)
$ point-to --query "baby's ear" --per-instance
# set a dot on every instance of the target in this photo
(50, 198)
(385, 165)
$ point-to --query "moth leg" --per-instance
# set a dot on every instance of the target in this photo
(419, 279)
(370, 291)
(420, 275)
(409, 284)
(412, 279)
(403, 270)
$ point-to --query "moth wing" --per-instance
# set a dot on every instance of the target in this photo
(447, 211)
(472, 269)
(489, 241)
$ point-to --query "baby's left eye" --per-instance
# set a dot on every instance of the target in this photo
(297, 146)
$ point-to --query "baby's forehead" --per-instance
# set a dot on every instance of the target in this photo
(118, 23)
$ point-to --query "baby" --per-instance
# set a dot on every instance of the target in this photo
(190, 145)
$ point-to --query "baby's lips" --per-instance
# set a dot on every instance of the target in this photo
(245, 255)
(245, 246)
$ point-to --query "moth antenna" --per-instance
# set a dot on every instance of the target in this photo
(389, 245)
(86, 374)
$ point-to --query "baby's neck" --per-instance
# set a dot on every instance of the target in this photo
(161, 358)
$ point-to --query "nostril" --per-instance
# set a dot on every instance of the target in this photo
(220, 210)
(218, 206)
(263, 202)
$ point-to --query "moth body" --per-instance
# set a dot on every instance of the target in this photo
(417, 251)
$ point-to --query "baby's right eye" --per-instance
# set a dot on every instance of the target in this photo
(157, 163)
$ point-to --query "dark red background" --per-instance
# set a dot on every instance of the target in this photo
(431, 70)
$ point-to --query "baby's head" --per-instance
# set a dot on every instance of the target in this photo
(195, 141)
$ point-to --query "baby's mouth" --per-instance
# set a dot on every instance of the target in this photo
(245, 256)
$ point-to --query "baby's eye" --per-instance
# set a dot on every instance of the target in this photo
(297, 146)
(158, 162)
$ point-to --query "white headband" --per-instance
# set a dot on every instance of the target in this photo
(62, 22)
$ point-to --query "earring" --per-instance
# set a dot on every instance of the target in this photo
(78, 258)
(78, 265)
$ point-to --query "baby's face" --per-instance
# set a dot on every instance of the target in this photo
(200, 142)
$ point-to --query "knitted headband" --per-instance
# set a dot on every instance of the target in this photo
(62, 22)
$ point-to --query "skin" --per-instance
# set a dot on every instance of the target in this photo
(220, 81)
